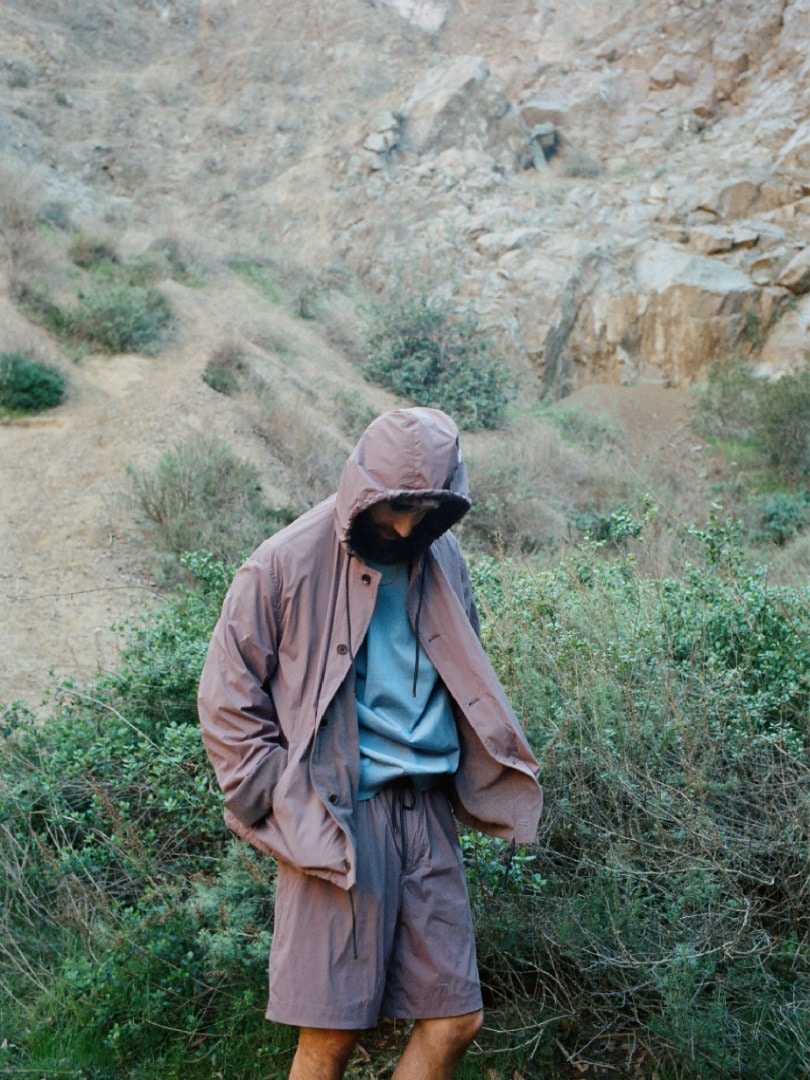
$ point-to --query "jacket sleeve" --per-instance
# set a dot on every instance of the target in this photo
(238, 718)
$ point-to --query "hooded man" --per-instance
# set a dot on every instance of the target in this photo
(351, 716)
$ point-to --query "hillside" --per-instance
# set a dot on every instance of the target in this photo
(347, 146)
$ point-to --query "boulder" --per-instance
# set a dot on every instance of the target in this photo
(786, 347)
(711, 239)
(669, 319)
(730, 59)
(460, 104)
(796, 275)
(428, 15)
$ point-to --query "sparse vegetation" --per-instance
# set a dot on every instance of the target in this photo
(764, 427)
(200, 492)
(258, 274)
(423, 348)
(28, 385)
(771, 419)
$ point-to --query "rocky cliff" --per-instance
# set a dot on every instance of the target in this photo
(622, 191)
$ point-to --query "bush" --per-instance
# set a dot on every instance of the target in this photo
(200, 495)
(660, 925)
(782, 425)
(420, 348)
(134, 931)
(671, 722)
(782, 516)
(120, 318)
(226, 369)
(28, 386)
(771, 418)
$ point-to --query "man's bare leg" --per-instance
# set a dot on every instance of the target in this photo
(322, 1054)
(436, 1047)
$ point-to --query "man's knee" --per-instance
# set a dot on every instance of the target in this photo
(322, 1052)
(453, 1032)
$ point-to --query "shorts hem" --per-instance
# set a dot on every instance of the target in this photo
(335, 1023)
(364, 1022)
(438, 1012)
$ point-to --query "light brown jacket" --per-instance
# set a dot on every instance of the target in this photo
(276, 697)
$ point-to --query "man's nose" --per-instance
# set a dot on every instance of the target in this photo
(404, 525)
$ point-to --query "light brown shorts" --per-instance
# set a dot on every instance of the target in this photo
(400, 944)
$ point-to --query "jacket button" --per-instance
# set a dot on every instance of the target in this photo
(333, 798)
(366, 579)
(343, 649)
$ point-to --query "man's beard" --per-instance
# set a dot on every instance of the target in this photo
(369, 544)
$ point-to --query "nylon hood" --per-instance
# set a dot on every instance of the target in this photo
(406, 453)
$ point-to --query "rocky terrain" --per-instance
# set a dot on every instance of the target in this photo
(621, 192)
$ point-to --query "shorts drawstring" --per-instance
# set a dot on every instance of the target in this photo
(403, 798)
(354, 923)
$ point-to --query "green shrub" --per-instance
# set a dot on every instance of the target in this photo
(226, 370)
(422, 349)
(665, 899)
(200, 495)
(782, 516)
(134, 931)
(782, 425)
(29, 386)
(772, 418)
(120, 318)
(728, 403)
(609, 528)
(671, 723)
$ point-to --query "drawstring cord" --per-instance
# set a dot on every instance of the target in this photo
(349, 609)
(354, 923)
(416, 624)
(399, 806)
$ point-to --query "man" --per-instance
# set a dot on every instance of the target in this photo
(346, 705)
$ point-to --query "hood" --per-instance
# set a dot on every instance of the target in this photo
(406, 453)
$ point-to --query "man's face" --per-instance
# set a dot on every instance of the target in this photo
(393, 520)
(384, 530)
